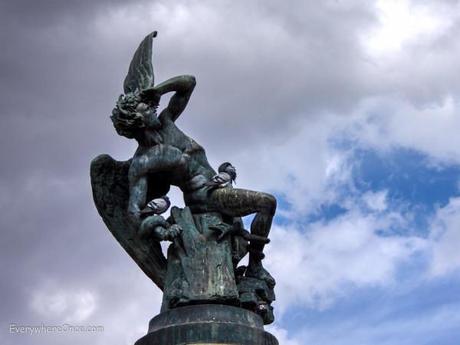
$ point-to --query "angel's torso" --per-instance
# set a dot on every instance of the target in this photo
(181, 158)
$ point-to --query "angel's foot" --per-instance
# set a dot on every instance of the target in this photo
(256, 270)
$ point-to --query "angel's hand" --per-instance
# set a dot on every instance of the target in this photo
(168, 234)
(174, 231)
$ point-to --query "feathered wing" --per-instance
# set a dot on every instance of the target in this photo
(109, 181)
(140, 74)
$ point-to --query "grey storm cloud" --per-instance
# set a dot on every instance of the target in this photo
(262, 68)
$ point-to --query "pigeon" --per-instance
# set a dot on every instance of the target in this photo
(156, 206)
(226, 176)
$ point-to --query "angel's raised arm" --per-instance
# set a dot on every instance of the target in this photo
(183, 86)
(140, 78)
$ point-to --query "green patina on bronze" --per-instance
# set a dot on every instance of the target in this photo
(208, 237)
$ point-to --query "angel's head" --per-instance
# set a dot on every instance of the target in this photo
(134, 112)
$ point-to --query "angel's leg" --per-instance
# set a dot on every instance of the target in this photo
(236, 202)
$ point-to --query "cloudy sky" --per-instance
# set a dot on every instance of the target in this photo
(346, 110)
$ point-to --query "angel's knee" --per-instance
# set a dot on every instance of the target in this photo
(267, 203)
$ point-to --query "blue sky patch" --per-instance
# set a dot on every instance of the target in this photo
(408, 176)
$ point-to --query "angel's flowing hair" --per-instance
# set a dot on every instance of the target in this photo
(126, 120)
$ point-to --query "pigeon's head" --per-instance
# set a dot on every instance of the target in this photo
(229, 169)
(158, 206)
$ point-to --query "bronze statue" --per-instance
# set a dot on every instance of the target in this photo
(208, 238)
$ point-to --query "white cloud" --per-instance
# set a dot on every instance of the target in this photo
(376, 201)
(65, 305)
(388, 123)
(315, 266)
(402, 22)
(445, 236)
(121, 301)
(305, 168)
(282, 336)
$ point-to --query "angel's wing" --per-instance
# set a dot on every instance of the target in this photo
(109, 181)
(140, 74)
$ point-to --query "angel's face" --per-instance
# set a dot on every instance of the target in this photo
(149, 114)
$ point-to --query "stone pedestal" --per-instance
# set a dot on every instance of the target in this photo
(207, 324)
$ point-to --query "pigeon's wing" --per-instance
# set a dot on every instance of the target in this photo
(219, 179)
(215, 181)
(140, 74)
(153, 204)
(109, 181)
(162, 205)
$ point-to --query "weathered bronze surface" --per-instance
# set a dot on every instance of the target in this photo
(207, 236)
(211, 324)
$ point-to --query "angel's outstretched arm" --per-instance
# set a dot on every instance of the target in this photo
(183, 87)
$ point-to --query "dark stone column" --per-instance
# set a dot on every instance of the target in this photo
(207, 324)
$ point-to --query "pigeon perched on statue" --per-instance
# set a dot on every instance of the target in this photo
(226, 176)
(156, 206)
